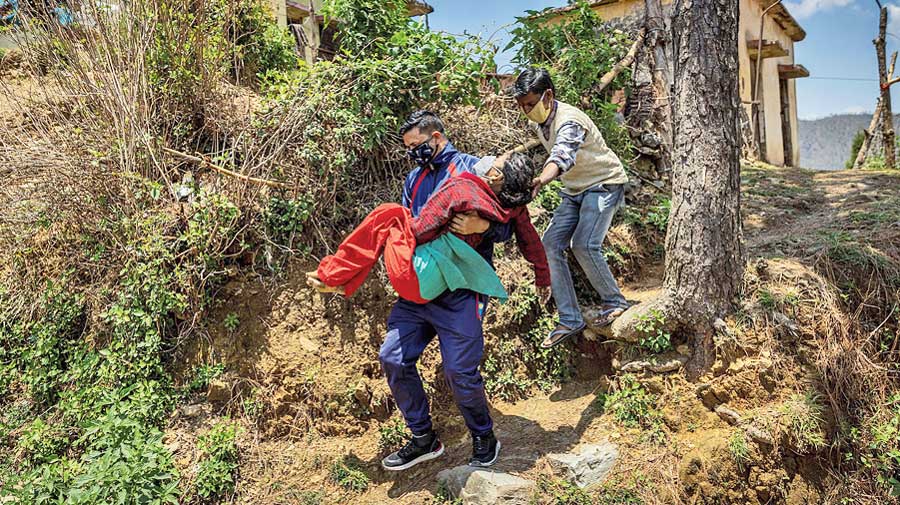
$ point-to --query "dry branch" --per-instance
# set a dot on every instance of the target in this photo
(204, 162)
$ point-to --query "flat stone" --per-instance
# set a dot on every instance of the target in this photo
(589, 466)
(729, 416)
(481, 486)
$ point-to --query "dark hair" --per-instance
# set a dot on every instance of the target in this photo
(533, 80)
(518, 172)
(426, 121)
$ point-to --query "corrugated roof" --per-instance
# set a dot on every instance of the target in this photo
(780, 14)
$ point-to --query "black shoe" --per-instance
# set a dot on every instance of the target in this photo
(485, 450)
(418, 450)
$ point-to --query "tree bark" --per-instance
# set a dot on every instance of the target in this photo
(887, 115)
(864, 148)
(704, 252)
(657, 41)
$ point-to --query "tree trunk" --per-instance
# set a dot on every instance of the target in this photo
(887, 121)
(657, 41)
(704, 253)
(864, 148)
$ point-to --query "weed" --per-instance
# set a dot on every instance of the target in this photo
(549, 198)
(740, 451)
(218, 461)
(443, 496)
(252, 406)
(767, 299)
(231, 322)
(517, 364)
(310, 498)
(347, 473)
(634, 407)
(562, 492)
(203, 374)
(654, 336)
(658, 215)
(391, 433)
(802, 417)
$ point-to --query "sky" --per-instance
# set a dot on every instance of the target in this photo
(837, 51)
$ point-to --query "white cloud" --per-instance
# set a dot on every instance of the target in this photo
(806, 8)
(893, 19)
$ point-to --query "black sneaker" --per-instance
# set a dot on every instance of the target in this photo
(419, 449)
(485, 450)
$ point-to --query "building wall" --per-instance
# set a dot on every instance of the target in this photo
(279, 8)
(770, 86)
(770, 92)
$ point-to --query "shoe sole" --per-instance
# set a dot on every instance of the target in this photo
(421, 459)
(479, 464)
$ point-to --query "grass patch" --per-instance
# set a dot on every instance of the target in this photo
(348, 474)
(740, 451)
(802, 419)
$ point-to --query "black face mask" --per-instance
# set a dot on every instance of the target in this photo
(422, 154)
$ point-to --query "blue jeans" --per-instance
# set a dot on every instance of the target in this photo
(581, 222)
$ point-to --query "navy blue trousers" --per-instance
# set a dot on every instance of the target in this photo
(455, 317)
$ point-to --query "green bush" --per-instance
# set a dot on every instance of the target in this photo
(576, 53)
(218, 461)
(517, 363)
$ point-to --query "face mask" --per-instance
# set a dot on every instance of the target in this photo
(422, 154)
(539, 113)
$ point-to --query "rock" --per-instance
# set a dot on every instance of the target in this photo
(671, 365)
(218, 391)
(707, 396)
(191, 411)
(729, 416)
(589, 466)
(759, 435)
(589, 335)
(480, 486)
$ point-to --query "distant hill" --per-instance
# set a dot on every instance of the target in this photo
(825, 142)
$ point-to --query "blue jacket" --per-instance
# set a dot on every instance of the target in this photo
(422, 182)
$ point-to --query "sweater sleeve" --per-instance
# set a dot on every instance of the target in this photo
(454, 196)
(530, 245)
(569, 139)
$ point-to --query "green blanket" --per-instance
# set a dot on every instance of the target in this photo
(449, 263)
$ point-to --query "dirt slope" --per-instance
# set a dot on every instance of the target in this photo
(302, 375)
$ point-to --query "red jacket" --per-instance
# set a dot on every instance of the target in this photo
(391, 229)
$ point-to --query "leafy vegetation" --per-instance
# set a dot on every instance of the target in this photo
(391, 433)
(654, 337)
(347, 474)
(219, 461)
(634, 407)
(577, 53)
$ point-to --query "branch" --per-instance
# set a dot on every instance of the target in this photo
(626, 62)
(206, 163)
(618, 67)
